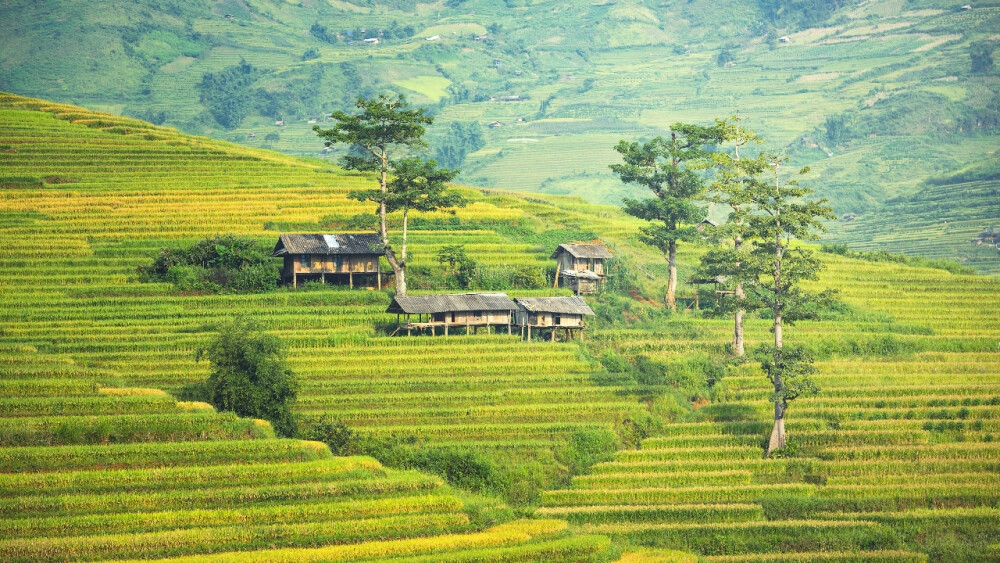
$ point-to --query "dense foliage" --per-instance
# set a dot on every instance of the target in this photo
(229, 94)
(250, 375)
(225, 263)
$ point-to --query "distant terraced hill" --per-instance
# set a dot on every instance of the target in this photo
(876, 96)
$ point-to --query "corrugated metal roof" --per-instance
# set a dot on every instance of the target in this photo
(585, 274)
(451, 302)
(328, 244)
(567, 305)
(583, 251)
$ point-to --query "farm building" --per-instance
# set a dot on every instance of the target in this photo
(337, 258)
(466, 310)
(552, 313)
(580, 267)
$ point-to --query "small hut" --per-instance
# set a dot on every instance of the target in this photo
(555, 313)
(468, 310)
(337, 258)
(580, 267)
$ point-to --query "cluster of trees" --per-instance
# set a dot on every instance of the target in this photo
(228, 94)
(802, 13)
(755, 258)
(394, 31)
(462, 138)
(224, 263)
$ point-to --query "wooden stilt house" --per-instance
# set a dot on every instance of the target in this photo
(580, 267)
(450, 311)
(551, 314)
(338, 258)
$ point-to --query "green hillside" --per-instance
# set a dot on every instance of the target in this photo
(875, 96)
(896, 459)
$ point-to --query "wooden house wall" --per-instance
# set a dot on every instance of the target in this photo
(470, 318)
(568, 262)
(548, 319)
(328, 264)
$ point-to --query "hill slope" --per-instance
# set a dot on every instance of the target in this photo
(876, 96)
(909, 365)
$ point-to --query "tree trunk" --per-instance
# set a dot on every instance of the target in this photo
(777, 440)
(399, 270)
(739, 293)
(672, 280)
(383, 228)
(738, 347)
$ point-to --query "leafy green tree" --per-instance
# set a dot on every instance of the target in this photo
(981, 53)
(385, 126)
(671, 170)
(250, 375)
(725, 263)
(458, 262)
(776, 212)
(420, 185)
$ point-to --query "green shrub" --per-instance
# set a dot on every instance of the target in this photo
(222, 263)
(585, 448)
(250, 375)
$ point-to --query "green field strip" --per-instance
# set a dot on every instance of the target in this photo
(356, 484)
(136, 480)
(120, 456)
(118, 429)
(510, 534)
(231, 538)
(308, 511)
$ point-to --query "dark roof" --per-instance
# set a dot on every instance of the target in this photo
(451, 302)
(328, 244)
(583, 251)
(568, 305)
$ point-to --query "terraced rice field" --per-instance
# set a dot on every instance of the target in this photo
(896, 459)
(91, 472)
(899, 451)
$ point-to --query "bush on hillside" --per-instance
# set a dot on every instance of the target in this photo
(250, 375)
(222, 263)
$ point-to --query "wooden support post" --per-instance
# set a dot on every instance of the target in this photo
(322, 277)
(432, 331)
(378, 272)
(446, 329)
(350, 279)
(529, 333)
(295, 280)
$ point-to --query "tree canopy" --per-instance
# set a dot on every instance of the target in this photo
(250, 375)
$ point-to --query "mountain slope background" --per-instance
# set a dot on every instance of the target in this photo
(884, 100)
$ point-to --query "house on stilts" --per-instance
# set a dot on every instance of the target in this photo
(551, 315)
(338, 258)
(468, 311)
(580, 267)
